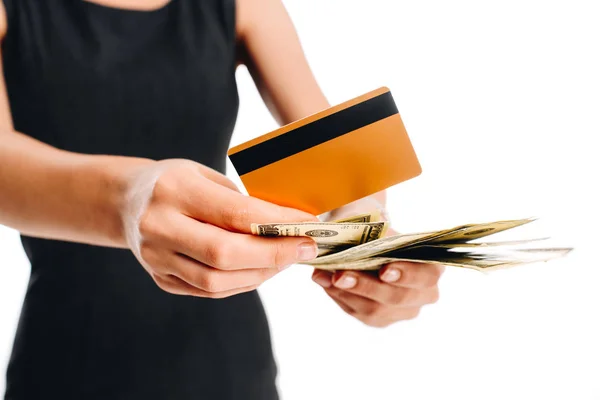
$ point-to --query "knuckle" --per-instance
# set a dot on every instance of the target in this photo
(219, 255)
(191, 277)
(163, 283)
(399, 297)
(210, 283)
(373, 310)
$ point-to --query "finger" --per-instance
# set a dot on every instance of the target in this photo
(217, 177)
(214, 281)
(371, 312)
(403, 314)
(411, 274)
(225, 250)
(394, 315)
(358, 305)
(174, 285)
(344, 306)
(233, 211)
(372, 288)
(322, 278)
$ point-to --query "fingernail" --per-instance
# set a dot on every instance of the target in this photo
(307, 251)
(391, 275)
(346, 282)
(322, 279)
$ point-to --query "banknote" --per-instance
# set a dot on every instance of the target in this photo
(334, 247)
(330, 236)
(476, 231)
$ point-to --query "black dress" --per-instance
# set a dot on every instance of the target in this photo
(157, 84)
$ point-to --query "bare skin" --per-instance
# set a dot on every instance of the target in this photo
(151, 207)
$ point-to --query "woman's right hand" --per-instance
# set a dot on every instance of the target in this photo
(189, 227)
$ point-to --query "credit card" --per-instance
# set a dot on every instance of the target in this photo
(330, 158)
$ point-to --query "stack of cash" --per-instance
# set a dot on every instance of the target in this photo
(360, 243)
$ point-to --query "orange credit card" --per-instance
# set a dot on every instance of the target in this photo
(330, 158)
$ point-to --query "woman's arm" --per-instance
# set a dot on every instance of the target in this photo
(273, 54)
(271, 50)
(187, 224)
(47, 192)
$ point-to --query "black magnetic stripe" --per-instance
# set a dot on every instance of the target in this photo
(314, 133)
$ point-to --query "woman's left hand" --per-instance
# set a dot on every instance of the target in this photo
(396, 293)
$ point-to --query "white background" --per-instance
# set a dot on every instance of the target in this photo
(501, 101)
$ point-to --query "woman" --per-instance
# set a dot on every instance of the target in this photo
(126, 108)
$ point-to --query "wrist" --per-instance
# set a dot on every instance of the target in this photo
(109, 196)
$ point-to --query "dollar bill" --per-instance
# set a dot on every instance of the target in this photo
(373, 216)
(329, 248)
(329, 236)
(476, 231)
